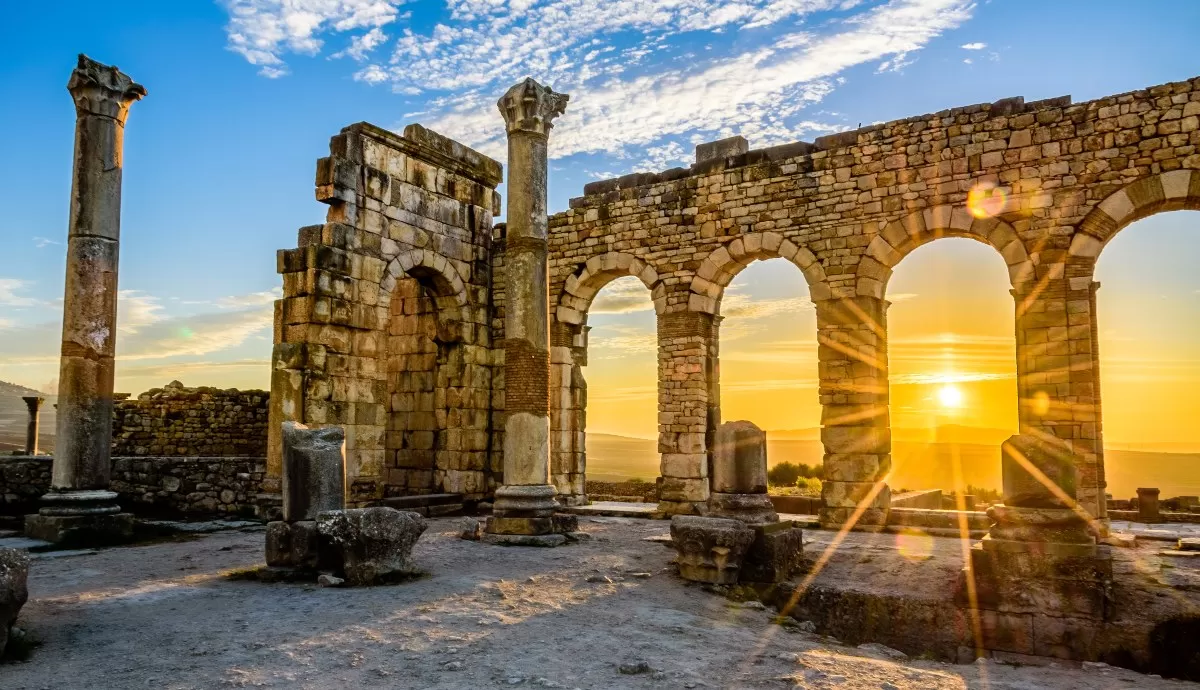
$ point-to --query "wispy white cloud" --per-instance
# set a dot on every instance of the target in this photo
(262, 31)
(974, 46)
(41, 242)
(10, 293)
(622, 296)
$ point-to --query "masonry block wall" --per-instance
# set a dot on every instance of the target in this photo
(384, 327)
(391, 308)
(203, 422)
(1046, 184)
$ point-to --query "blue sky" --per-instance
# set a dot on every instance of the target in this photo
(243, 95)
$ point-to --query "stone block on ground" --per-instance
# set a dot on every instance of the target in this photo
(710, 549)
(370, 546)
(739, 459)
(293, 545)
(777, 553)
(14, 592)
(314, 471)
(81, 530)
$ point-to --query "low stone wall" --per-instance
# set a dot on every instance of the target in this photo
(160, 486)
(1134, 516)
(929, 499)
(924, 518)
(176, 421)
(618, 491)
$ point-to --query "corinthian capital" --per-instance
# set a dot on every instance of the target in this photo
(102, 90)
(531, 107)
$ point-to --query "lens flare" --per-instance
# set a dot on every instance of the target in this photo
(986, 200)
(1041, 403)
(914, 544)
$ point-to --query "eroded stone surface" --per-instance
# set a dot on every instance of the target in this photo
(14, 573)
(370, 546)
(710, 549)
(314, 471)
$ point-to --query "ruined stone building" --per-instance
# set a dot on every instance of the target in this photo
(391, 323)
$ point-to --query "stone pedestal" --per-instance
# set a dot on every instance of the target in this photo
(1038, 583)
(79, 506)
(739, 474)
(362, 546)
(34, 403)
(525, 502)
(709, 549)
(1148, 508)
(776, 553)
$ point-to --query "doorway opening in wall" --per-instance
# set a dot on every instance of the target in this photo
(621, 412)
(1148, 327)
(421, 363)
(951, 374)
(767, 373)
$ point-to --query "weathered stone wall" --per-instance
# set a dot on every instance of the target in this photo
(180, 421)
(384, 327)
(1045, 183)
(170, 486)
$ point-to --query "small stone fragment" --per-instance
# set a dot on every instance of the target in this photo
(634, 668)
(472, 529)
(883, 650)
(327, 580)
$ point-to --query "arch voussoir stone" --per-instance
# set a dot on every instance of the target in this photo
(582, 286)
(1169, 191)
(900, 237)
(717, 269)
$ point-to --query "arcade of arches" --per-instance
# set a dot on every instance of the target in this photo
(1045, 184)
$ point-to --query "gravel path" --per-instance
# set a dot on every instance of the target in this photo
(607, 613)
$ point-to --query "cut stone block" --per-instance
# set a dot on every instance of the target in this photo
(81, 530)
(710, 549)
(314, 471)
(372, 545)
(739, 459)
(777, 553)
(14, 592)
(293, 545)
(1038, 473)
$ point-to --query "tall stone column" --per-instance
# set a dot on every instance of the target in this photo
(79, 506)
(525, 503)
(34, 403)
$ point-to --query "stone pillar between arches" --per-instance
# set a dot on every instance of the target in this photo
(685, 383)
(853, 372)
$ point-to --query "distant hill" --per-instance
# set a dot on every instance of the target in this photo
(14, 416)
(916, 465)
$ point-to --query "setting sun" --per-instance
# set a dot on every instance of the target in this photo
(950, 396)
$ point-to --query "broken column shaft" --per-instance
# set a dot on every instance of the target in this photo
(525, 503)
(34, 403)
(80, 480)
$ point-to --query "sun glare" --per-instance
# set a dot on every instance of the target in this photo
(950, 396)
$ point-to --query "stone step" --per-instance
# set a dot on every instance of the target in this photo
(430, 505)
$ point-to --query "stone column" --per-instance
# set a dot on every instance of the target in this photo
(1148, 508)
(79, 485)
(34, 403)
(525, 503)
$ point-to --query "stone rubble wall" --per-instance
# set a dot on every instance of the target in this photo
(160, 486)
(1045, 183)
(179, 421)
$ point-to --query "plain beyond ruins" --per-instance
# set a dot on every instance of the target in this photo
(428, 363)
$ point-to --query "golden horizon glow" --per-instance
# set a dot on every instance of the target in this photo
(950, 397)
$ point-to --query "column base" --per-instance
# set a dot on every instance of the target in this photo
(106, 529)
(524, 531)
(525, 501)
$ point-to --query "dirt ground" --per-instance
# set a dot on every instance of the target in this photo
(606, 613)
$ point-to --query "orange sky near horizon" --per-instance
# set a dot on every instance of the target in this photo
(951, 344)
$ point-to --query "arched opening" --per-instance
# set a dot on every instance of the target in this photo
(767, 370)
(620, 394)
(431, 427)
(951, 374)
(1148, 332)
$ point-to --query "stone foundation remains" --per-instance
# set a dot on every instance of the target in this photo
(176, 421)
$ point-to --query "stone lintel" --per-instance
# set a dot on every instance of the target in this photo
(722, 148)
(430, 146)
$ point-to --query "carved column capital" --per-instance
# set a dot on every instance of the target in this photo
(102, 90)
(531, 107)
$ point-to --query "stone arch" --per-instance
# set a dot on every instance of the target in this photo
(583, 285)
(901, 237)
(1178, 190)
(449, 290)
(723, 263)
